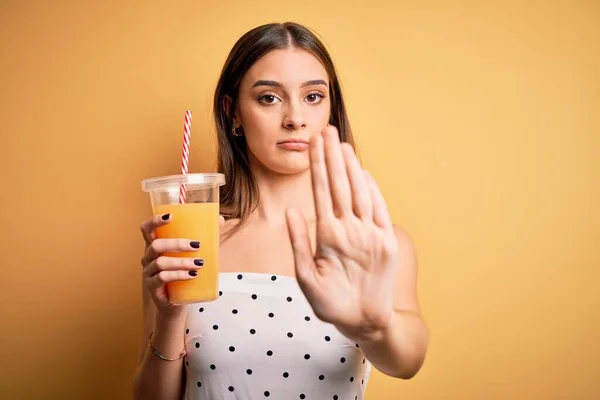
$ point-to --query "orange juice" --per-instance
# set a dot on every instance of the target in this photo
(194, 221)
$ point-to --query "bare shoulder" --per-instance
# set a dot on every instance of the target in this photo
(230, 224)
(234, 245)
(228, 230)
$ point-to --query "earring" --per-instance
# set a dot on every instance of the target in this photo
(235, 132)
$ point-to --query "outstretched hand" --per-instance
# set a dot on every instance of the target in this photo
(349, 278)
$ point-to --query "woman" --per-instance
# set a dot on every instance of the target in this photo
(316, 283)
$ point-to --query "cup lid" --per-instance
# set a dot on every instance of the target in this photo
(169, 181)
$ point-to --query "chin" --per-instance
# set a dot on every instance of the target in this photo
(291, 167)
(292, 170)
(286, 164)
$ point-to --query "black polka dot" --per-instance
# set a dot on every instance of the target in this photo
(267, 394)
(273, 278)
(187, 331)
(201, 309)
(234, 311)
(213, 367)
(290, 335)
(249, 371)
(285, 374)
(231, 348)
(215, 327)
(321, 377)
(307, 318)
(363, 381)
(252, 331)
(351, 379)
(327, 338)
(221, 294)
(199, 384)
(289, 299)
(254, 297)
(342, 360)
(306, 356)
(231, 388)
(197, 345)
(240, 277)
(269, 353)
(302, 396)
(335, 397)
(271, 315)
(363, 360)
(357, 345)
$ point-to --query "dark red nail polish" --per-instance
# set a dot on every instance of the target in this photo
(199, 262)
(166, 217)
(193, 273)
(195, 245)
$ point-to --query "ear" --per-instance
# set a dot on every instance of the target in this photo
(228, 105)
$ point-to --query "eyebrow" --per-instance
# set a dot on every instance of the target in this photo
(313, 82)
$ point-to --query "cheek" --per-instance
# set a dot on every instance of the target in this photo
(326, 112)
(261, 127)
(319, 116)
(257, 118)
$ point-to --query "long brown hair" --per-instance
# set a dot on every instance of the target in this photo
(239, 196)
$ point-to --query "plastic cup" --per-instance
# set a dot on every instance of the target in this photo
(197, 219)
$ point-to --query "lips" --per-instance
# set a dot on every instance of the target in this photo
(294, 141)
(293, 144)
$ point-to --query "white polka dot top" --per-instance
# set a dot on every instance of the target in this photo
(260, 339)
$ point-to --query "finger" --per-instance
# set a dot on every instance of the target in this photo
(303, 255)
(336, 171)
(359, 186)
(381, 216)
(160, 246)
(148, 227)
(164, 277)
(164, 263)
(320, 182)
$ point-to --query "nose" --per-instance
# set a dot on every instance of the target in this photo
(293, 118)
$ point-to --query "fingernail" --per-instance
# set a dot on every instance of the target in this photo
(193, 273)
(195, 245)
(166, 217)
(199, 262)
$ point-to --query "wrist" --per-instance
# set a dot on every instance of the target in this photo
(175, 317)
(167, 339)
(377, 335)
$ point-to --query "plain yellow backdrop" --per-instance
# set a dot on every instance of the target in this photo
(479, 119)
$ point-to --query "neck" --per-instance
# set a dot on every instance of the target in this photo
(280, 192)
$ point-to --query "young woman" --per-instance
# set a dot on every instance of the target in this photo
(316, 282)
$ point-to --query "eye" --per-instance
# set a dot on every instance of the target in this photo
(268, 99)
(315, 98)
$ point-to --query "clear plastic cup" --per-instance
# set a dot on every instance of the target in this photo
(196, 219)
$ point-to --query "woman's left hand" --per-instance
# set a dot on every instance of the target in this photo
(349, 279)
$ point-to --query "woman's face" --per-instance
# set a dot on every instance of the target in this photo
(283, 102)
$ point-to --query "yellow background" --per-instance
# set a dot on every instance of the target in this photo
(479, 119)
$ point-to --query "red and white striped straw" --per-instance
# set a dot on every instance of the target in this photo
(185, 154)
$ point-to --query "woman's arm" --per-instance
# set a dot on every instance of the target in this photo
(400, 350)
(157, 379)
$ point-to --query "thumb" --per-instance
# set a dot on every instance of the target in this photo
(301, 247)
(221, 222)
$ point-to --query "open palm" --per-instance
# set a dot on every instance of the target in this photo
(349, 278)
